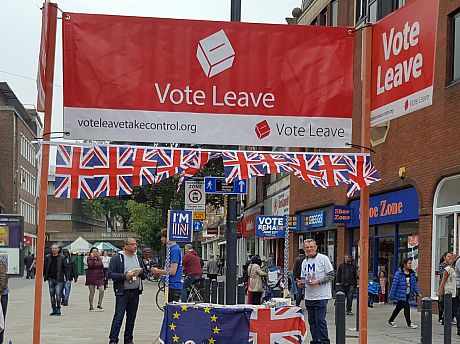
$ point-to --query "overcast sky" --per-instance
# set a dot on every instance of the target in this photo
(20, 24)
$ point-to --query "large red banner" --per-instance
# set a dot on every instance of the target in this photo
(166, 80)
(403, 55)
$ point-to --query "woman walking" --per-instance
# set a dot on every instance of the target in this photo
(449, 283)
(255, 280)
(95, 278)
(442, 265)
(105, 263)
(404, 288)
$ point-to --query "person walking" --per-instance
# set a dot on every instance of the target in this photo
(442, 265)
(28, 260)
(383, 287)
(404, 288)
(4, 294)
(297, 274)
(175, 268)
(126, 272)
(54, 272)
(347, 278)
(70, 275)
(449, 284)
(255, 280)
(317, 275)
(213, 268)
(95, 278)
(192, 269)
(105, 263)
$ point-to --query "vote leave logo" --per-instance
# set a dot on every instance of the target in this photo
(215, 54)
(262, 129)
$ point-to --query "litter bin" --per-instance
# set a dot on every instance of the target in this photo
(78, 260)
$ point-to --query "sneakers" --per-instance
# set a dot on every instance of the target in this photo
(349, 313)
(100, 308)
(413, 326)
(53, 313)
(91, 309)
(58, 312)
(392, 324)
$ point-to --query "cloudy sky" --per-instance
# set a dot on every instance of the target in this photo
(20, 24)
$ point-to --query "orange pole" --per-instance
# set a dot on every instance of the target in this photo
(42, 207)
(364, 193)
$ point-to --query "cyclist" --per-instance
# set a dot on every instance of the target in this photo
(192, 269)
(175, 271)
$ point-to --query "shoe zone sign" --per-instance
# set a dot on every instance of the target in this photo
(270, 226)
(180, 226)
(189, 81)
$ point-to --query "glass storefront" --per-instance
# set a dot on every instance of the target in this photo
(446, 223)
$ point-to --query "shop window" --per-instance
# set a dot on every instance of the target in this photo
(360, 7)
(334, 12)
(408, 228)
(455, 47)
(323, 17)
(374, 10)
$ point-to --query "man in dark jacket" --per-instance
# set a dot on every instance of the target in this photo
(70, 275)
(126, 271)
(54, 272)
(28, 260)
(347, 278)
(192, 270)
(297, 271)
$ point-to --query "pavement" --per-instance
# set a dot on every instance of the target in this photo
(78, 325)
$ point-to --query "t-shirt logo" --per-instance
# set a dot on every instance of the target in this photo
(311, 267)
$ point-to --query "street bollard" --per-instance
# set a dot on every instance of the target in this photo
(221, 292)
(340, 318)
(240, 295)
(206, 290)
(213, 291)
(426, 336)
(448, 318)
(357, 309)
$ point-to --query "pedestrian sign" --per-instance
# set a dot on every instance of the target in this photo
(180, 225)
(217, 185)
(197, 225)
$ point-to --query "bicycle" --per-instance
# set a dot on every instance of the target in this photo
(194, 295)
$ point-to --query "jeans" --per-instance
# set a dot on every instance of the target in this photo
(348, 291)
(317, 320)
(126, 303)
(66, 292)
(371, 299)
(299, 296)
(4, 301)
(55, 288)
(188, 281)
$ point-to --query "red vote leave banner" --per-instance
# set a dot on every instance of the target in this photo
(403, 56)
(187, 81)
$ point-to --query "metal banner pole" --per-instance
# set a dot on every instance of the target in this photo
(286, 257)
(167, 260)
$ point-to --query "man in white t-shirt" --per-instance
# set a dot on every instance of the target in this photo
(317, 275)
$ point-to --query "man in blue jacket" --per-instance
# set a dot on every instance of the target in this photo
(126, 272)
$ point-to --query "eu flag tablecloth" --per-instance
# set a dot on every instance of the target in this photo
(188, 323)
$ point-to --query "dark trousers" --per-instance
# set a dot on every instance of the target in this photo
(126, 303)
(317, 320)
(441, 308)
(174, 295)
(4, 301)
(299, 296)
(212, 276)
(348, 291)
(371, 299)
(256, 296)
(188, 281)
(29, 272)
(399, 306)
(55, 288)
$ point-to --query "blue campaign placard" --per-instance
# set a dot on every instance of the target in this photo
(270, 226)
(180, 225)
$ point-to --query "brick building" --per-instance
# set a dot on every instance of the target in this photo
(417, 155)
(18, 168)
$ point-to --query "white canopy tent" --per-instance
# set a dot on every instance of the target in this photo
(80, 245)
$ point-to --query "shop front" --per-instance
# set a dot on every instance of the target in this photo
(446, 225)
(393, 230)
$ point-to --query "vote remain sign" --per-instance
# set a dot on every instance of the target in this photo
(270, 226)
(403, 56)
(195, 82)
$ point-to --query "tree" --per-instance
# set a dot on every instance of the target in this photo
(112, 208)
(146, 222)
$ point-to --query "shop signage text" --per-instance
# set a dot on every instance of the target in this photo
(342, 214)
(314, 220)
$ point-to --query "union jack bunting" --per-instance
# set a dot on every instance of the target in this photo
(334, 169)
(144, 166)
(305, 166)
(241, 165)
(195, 164)
(282, 325)
(361, 173)
(171, 162)
(73, 172)
(112, 171)
(274, 163)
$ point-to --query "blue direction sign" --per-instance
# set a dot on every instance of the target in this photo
(180, 226)
(197, 225)
(217, 185)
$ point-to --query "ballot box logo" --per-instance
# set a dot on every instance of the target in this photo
(215, 54)
(262, 129)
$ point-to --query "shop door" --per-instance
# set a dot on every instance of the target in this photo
(384, 255)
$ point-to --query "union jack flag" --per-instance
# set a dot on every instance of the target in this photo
(305, 167)
(241, 165)
(361, 173)
(334, 169)
(195, 164)
(171, 162)
(283, 325)
(73, 172)
(113, 171)
(274, 163)
(144, 166)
